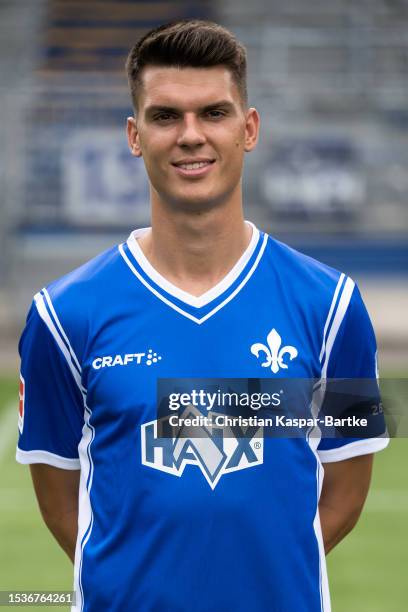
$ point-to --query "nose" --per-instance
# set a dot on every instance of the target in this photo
(191, 133)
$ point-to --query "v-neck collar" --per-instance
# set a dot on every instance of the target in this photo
(166, 285)
(186, 304)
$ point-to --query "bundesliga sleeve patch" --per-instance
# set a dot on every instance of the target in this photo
(21, 396)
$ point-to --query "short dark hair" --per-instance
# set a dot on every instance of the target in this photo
(187, 43)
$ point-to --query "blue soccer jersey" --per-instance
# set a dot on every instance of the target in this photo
(190, 525)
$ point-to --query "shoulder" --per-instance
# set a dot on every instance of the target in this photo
(307, 278)
(69, 305)
(87, 281)
(321, 296)
(301, 264)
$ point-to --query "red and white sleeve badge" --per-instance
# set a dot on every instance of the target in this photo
(21, 396)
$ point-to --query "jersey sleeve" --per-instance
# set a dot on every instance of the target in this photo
(51, 410)
(353, 362)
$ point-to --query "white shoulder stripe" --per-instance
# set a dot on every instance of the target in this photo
(43, 312)
(319, 388)
(329, 316)
(60, 328)
(337, 321)
(85, 514)
(335, 317)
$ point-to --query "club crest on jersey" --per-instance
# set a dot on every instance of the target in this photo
(215, 452)
(274, 352)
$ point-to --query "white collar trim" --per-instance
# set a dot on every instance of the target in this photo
(184, 312)
(187, 298)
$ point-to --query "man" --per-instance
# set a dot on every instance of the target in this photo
(191, 524)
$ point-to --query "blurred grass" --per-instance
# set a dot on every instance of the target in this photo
(30, 559)
(366, 571)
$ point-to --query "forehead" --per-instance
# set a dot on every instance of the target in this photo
(186, 87)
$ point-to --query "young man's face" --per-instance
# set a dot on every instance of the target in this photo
(192, 130)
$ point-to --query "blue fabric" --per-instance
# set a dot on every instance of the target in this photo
(54, 418)
(167, 541)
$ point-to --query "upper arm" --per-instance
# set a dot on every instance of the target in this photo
(51, 405)
(352, 374)
(56, 489)
(346, 483)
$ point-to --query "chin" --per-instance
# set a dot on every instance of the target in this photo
(195, 201)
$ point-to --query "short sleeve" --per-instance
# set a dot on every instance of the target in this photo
(354, 356)
(51, 410)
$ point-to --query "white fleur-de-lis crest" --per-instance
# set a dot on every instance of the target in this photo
(274, 352)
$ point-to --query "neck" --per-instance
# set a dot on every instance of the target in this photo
(195, 251)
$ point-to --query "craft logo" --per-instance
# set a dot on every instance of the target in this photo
(215, 451)
(110, 361)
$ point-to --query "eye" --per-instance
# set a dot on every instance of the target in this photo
(163, 117)
(215, 114)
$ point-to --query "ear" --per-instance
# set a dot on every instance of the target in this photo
(133, 137)
(251, 129)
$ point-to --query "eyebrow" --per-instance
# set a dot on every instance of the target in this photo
(154, 108)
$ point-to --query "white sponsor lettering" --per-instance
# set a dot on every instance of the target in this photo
(214, 453)
(109, 361)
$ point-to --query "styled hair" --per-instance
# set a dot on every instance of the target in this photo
(188, 43)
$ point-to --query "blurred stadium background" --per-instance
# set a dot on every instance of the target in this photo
(330, 177)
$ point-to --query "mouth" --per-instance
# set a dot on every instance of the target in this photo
(193, 167)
